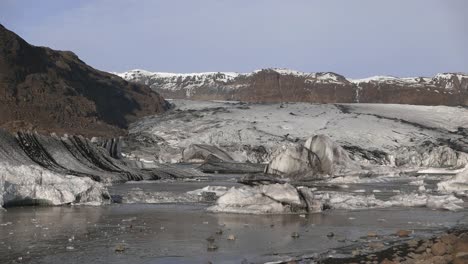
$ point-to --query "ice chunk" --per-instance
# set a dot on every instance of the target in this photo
(273, 198)
(458, 184)
(284, 193)
(35, 185)
(218, 190)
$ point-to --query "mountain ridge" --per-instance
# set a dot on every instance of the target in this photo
(442, 89)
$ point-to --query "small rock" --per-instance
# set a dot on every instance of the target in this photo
(208, 197)
(372, 234)
(376, 245)
(413, 243)
(219, 232)
(403, 233)
(116, 199)
(449, 239)
(331, 234)
(420, 249)
(295, 235)
(436, 260)
(210, 239)
(439, 249)
(120, 248)
(460, 257)
(212, 247)
(449, 258)
(70, 248)
(461, 250)
(231, 237)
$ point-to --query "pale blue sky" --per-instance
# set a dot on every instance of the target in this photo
(356, 38)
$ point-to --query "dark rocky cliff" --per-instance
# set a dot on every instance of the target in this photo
(54, 91)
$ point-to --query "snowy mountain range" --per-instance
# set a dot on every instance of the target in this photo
(280, 85)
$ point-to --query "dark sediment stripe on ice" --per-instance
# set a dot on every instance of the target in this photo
(32, 148)
(113, 147)
(82, 147)
(10, 152)
(73, 155)
(77, 165)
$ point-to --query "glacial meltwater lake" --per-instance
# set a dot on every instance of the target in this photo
(177, 233)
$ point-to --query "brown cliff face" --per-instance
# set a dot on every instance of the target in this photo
(54, 91)
(430, 92)
(278, 85)
(271, 86)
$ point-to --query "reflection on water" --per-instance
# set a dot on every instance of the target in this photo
(177, 234)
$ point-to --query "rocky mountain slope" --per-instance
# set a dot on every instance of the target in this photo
(54, 91)
(282, 85)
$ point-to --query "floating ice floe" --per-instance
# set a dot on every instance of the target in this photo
(348, 201)
(458, 184)
(284, 198)
(137, 195)
(417, 183)
(265, 199)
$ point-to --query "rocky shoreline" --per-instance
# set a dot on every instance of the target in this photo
(448, 247)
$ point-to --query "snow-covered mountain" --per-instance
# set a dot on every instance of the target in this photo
(278, 85)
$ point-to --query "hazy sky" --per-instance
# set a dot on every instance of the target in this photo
(356, 38)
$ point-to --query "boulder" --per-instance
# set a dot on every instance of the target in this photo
(200, 152)
(439, 249)
(33, 185)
